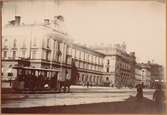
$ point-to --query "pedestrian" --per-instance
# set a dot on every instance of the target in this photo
(159, 95)
(67, 77)
(68, 81)
(139, 94)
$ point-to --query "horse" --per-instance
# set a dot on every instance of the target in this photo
(65, 84)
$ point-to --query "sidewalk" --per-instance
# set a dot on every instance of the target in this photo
(130, 105)
(103, 89)
(80, 89)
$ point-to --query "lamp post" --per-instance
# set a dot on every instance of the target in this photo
(142, 76)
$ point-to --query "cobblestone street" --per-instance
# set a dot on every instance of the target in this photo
(78, 95)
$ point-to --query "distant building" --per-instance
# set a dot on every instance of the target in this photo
(149, 73)
(138, 74)
(157, 73)
(119, 66)
(146, 74)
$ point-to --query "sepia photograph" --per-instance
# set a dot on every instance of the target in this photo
(83, 56)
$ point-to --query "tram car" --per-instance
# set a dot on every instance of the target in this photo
(29, 78)
(36, 79)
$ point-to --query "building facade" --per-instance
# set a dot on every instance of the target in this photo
(46, 46)
(138, 74)
(157, 74)
(89, 64)
(119, 66)
(145, 74)
(149, 74)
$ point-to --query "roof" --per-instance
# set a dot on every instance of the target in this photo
(33, 30)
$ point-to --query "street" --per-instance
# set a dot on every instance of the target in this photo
(79, 95)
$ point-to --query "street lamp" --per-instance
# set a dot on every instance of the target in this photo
(142, 75)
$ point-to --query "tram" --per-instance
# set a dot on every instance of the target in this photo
(35, 79)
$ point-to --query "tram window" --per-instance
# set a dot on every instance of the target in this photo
(19, 71)
(36, 73)
(26, 72)
(10, 74)
(29, 72)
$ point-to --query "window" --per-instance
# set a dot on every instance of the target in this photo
(24, 45)
(84, 56)
(14, 43)
(96, 61)
(14, 54)
(5, 54)
(5, 43)
(34, 55)
(108, 61)
(69, 50)
(94, 80)
(34, 42)
(10, 74)
(92, 59)
(107, 69)
(47, 43)
(23, 53)
(47, 55)
(99, 61)
(82, 77)
(88, 57)
(79, 54)
(73, 53)
(90, 78)
(91, 66)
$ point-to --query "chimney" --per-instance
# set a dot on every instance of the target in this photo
(149, 62)
(61, 18)
(12, 22)
(132, 53)
(46, 21)
(17, 20)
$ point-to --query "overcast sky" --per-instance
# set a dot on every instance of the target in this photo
(141, 24)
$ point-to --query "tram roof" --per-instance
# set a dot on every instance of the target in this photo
(38, 69)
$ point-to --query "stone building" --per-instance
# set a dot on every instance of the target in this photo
(156, 74)
(149, 73)
(119, 65)
(46, 45)
(138, 74)
(144, 74)
(89, 64)
(40, 45)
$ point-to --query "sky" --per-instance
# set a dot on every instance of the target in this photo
(140, 24)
